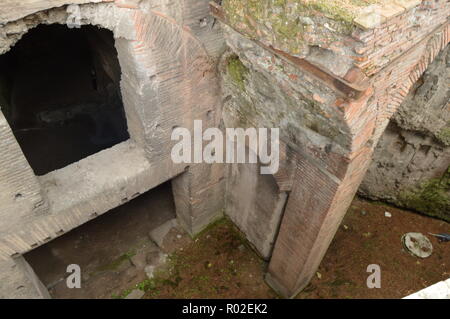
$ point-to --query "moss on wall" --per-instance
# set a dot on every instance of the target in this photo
(289, 23)
(432, 198)
(237, 71)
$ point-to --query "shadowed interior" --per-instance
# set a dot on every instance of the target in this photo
(61, 95)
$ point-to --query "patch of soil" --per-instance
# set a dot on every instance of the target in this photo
(367, 237)
(217, 264)
(220, 264)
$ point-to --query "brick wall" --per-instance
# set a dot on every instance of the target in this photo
(367, 71)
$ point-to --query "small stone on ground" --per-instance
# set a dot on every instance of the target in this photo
(135, 294)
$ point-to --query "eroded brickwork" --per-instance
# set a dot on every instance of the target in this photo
(411, 161)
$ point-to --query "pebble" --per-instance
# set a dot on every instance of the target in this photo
(387, 214)
(149, 271)
(135, 294)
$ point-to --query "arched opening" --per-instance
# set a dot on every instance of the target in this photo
(60, 92)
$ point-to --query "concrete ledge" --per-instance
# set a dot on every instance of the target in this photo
(441, 290)
(18, 281)
(12, 10)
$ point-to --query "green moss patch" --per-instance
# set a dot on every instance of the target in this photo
(432, 198)
(237, 71)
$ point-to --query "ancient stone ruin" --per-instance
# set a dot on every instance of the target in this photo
(91, 90)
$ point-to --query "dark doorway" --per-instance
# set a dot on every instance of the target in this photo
(60, 92)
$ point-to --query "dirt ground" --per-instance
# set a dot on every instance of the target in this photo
(219, 263)
(113, 251)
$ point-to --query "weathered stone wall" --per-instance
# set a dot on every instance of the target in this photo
(12, 10)
(5, 94)
(263, 90)
(167, 52)
(411, 161)
(255, 203)
(19, 281)
(105, 61)
(20, 192)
